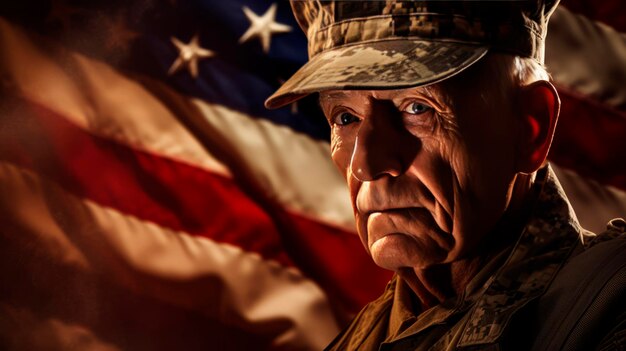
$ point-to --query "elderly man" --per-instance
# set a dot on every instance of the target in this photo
(442, 116)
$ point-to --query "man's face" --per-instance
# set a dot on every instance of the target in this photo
(429, 173)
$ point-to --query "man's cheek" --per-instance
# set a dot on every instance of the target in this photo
(341, 154)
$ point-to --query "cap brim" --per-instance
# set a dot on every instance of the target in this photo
(389, 64)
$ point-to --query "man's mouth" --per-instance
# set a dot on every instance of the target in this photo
(415, 222)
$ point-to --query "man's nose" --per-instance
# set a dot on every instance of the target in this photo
(383, 146)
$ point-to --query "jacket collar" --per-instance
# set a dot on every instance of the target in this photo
(546, 242)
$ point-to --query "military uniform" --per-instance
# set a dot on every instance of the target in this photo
(502, 307)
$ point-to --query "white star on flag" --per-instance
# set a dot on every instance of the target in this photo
(189, 55)
(263, 26)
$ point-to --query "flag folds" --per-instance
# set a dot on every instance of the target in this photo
(149, 202)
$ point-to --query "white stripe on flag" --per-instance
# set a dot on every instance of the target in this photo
(291, 167)
(587, 56)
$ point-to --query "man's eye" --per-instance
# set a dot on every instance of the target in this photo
(345, 118)
(417, 108)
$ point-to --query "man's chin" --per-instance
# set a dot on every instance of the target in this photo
(396, 251)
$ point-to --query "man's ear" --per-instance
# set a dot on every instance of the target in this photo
(539, 106)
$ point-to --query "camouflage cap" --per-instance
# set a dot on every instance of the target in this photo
(397, 44)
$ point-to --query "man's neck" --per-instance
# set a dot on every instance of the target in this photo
(435, 284)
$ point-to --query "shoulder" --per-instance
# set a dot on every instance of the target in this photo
(615, 229)
(586, 300)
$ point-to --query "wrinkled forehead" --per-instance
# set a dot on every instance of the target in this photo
(434, 92)
(384, 94)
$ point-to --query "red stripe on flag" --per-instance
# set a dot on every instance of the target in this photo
(184, 197)
(590, 139)
(170, 193)
(611, 12)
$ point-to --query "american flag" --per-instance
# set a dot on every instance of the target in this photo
(149, 201)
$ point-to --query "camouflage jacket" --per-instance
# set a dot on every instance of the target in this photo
(503, 307)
